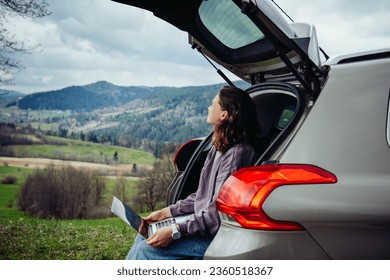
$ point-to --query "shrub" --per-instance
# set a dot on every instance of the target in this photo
(63, 193)
(10, 203)
(10, 179)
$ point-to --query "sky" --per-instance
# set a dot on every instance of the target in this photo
(85, 41)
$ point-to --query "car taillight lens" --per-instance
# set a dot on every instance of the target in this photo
(243, 194)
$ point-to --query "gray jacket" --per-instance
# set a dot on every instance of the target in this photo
(217, 168)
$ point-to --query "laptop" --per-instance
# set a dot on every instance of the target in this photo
(130, 217)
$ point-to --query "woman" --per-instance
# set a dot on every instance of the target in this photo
(233, 115)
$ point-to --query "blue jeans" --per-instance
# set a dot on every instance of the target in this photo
(188, 247)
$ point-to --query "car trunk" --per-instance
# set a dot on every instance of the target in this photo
(253, 41)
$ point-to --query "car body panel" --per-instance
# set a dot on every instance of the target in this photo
(356, 210)
(269, 245)
(366, 100)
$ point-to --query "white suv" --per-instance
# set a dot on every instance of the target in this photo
(321, 186)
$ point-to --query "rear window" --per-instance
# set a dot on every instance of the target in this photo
(224, 19)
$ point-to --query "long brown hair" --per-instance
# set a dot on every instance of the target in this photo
(241, 124)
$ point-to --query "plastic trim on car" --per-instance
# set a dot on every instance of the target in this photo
(388, 122)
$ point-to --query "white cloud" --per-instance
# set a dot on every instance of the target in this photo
(344, 26)
(84, 41)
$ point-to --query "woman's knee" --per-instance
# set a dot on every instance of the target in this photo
(141, 251)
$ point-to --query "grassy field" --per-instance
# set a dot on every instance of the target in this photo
(26, 238)
(68, 149)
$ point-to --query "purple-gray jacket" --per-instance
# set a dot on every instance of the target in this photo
(217, 168)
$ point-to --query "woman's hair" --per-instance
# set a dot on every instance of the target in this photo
(241, 124)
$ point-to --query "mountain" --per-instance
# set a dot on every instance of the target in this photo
(125, 115)
(83, 98)
(103, 95)
(9, 94)
(9, 97)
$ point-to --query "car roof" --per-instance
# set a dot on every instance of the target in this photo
(359, 56)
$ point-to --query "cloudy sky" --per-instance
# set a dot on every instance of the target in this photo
(85, 41)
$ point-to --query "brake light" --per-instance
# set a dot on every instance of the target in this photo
(243, 194)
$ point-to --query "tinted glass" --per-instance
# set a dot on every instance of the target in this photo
(286, 116)
(223, 18)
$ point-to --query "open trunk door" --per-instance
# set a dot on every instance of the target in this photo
(249, 38)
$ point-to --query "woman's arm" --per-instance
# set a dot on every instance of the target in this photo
(205, 221)
(182, 207)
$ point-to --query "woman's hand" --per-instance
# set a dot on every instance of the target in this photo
(153, 217)
(161, 238)
(143, 228)
(158, 215)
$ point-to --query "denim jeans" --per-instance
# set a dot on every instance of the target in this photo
(188, 247)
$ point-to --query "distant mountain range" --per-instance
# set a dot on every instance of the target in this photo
(9, 94)
(124, 115)
(84, 98)
(103, 95)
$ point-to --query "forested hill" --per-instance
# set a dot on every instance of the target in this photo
(86, 98)
(103, 95)
(127, 116)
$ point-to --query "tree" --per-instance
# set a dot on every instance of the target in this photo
(121, 186)
(152, 190)
(63, 193)
(8, 44)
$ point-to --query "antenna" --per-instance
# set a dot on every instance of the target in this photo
(282, 10)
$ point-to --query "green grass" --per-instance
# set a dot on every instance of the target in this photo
(93, 153)
(61, 148)
(32, 239)
(45, 126)
(26, 238)
(130, 187)
(8, 193)
(10, 170)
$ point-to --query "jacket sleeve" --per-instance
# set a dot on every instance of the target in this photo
(206, 222)
(182, 207)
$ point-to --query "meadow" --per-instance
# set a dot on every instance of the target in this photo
(68, 149)
(27, 238)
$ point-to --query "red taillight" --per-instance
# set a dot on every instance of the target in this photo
(243, 194)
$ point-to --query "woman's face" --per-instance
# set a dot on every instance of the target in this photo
(216, 114)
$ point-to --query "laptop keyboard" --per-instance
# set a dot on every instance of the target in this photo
(162, 224)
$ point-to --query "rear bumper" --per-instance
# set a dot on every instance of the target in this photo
(237, 243)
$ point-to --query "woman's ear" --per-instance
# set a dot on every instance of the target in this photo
(224, 115)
